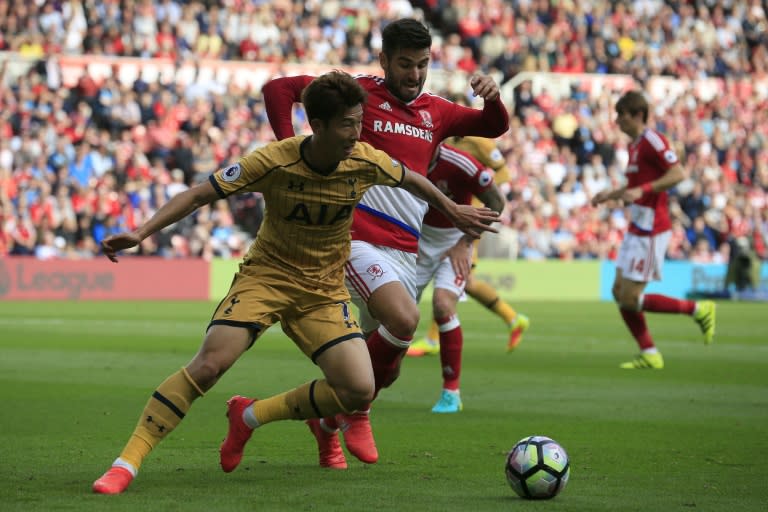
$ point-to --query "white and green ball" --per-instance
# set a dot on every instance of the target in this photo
(537, 467)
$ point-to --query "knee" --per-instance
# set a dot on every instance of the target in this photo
(356, 395)
(628, 300)
(443, 305)
(405, 323)
(206, 370)
(630, 303)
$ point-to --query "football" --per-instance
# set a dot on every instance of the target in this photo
(537, 468)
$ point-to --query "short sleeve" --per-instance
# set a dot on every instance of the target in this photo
(243, 176)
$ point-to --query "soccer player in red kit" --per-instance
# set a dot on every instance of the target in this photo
(653, 168)
(409, 124)
(445, 256)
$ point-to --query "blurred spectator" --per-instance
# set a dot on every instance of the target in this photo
(700, 231)
(76, 163)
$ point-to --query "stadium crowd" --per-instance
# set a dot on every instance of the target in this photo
(77, 164)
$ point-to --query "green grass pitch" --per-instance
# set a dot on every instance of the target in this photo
(694, 436)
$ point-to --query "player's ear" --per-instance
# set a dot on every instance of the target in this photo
(317, 126)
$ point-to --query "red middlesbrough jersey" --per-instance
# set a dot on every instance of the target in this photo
(409, 132)
(650, 157)
(459, 176)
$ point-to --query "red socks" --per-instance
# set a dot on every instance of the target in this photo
(635, 321)
(655, 303)
(451, 342)
(386, 357)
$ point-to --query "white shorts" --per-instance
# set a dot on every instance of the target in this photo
(641, 258)
(371, 266)
(432, 263)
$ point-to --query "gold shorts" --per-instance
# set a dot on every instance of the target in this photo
(314, 319)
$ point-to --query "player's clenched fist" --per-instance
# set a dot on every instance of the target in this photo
(485, 87)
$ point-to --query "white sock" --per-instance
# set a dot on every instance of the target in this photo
(122, 463)
(326, 428)
(652, 350)
(249, 417)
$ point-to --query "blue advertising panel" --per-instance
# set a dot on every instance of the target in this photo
(680, 279)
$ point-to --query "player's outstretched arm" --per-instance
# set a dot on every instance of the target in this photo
(279, 96)
(174, 210)
(460, 254)
(669, 179)
(492, 121)
(672, 177)
(470, 220)
(608, 195)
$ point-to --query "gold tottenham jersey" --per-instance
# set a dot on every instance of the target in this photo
(307, 214)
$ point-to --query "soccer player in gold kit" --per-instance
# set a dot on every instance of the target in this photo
(293, 273)
(485, 151)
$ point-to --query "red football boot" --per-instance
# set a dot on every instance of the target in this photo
(358, 436)
(231, 451)
(331, 455)
(114, 481)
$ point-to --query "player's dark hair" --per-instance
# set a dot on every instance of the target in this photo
(331, 94)
(405, 33)
(633, 102)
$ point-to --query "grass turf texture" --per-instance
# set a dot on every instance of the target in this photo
(74, 378)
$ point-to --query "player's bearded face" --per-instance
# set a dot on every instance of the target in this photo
(405, 72)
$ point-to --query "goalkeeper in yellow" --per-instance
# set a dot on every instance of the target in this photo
(488, 154)
(293, 273)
